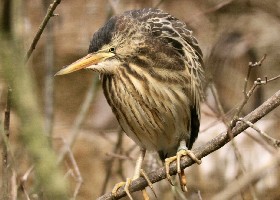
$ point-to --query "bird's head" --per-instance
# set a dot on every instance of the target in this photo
(147, 39)
(118, 40)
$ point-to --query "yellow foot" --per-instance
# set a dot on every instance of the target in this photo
(144, 175)
(127, 184)
(145, 195)
(182, 176)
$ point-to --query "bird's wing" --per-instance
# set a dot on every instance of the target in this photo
(177, 34)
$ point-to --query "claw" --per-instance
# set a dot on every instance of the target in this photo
(192, 156)
(149, 183)
(126, 186)
(183, 181)
(145, 195)
(128, 183)
(178, 158)
(168, 161)
(182, 176)
(116, 187)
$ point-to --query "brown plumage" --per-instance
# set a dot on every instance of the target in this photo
(152, 72)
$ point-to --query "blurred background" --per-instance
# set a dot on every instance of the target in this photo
(231, 33)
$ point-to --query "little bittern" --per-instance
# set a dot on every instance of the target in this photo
(152, 72)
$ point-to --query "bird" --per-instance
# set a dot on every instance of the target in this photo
(152, 75)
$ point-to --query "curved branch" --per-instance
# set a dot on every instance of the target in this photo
(202, 151)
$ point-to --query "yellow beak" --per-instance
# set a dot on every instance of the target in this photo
(87, 61)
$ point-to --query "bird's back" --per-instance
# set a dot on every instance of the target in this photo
(176, 33)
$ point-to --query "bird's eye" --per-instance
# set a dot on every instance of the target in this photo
(112, 50)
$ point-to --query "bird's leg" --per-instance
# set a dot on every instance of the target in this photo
(138, 166)
(182, 151)
(137, 173)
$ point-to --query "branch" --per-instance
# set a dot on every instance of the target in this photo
(48, 76)
(77, 174)
(6, 165)
(109, 163)
(266, 137)
(25, 102)
(202, 151)
(42, 26)
(236, 151)
(248, 94)
(7, 113)
(251, 177)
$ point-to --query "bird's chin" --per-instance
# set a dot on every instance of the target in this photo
(99, 70)
(105, 67)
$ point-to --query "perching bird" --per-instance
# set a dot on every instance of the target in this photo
(152, 72)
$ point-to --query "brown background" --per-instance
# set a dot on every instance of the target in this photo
(230, 33)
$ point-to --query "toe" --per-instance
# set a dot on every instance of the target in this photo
(145, 195)
(191, 154)
(126, 188)
(145, 176)
(117, 187)
(167, 168)
(183, 181)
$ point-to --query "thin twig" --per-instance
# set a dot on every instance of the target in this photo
(132, 148)
(80, 117)
(251, 177)
(25, 176)
(246, 80)
(241, 165)
(23, 180)
(77, 174)
(14, 187)
(273, 79)
(76, 171)
(262, 143)
(25, 193)
(212, 114)
(109, 163)
(7, 113)
(259, 81)
(119, 156)
(48, 77)
(268, 139)
(199, 195)
(202, 151)
(248, 94)
(259, 63)
(218, 103)
(42, 26)
(236, 151)
(120, 169)
(6, 164)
